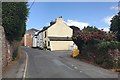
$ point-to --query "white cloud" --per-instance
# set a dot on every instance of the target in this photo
(81, 25)
(105, 29)
(108, 19)
(114, 8)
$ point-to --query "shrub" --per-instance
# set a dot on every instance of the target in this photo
(15, 54)
(107, 54)
(96, 45)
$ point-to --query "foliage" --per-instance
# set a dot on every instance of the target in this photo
(94, 46)
(89, 35)
(90, 29)
(15, 54)
(115, 25)
(79, 42)
(108, 54)
(104, 54)
(14, 16)
(93, 37)
(108, 45)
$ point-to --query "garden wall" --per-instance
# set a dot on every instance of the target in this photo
(6, 49)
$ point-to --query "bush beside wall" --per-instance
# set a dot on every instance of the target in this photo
(103, 54)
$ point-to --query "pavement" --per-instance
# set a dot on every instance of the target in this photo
(17, 68)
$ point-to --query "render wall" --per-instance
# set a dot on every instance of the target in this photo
(61, 45)
(60, 29)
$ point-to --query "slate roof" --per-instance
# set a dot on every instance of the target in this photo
(74, 27)
(31, 31)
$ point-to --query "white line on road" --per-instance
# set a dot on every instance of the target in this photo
(68, 67)
(80, 71)
(26, 63)
(75, 68)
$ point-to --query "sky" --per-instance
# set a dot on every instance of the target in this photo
(79, 14)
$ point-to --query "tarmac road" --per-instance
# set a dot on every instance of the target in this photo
(59, 64)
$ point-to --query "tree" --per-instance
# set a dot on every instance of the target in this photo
(89, 36)
(90, 29)
(115, 26)
(14, 16)
(76, 39)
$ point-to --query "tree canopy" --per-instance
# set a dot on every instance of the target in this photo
(115, 25)
(14, 17)
(90, 29)
(89, 35)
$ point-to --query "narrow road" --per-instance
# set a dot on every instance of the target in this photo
(59, 64)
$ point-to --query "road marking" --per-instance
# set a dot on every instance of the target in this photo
(72, 65)
(75, 67)
(68, 67)
(26, 63)
(80, 71)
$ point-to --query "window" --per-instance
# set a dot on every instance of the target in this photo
(48, 43)
(45, 43)
(45, 34)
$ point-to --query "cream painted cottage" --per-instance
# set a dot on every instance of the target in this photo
(56, 37)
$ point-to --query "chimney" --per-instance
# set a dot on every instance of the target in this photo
(59, 19)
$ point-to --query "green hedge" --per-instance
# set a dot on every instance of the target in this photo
(14, 17)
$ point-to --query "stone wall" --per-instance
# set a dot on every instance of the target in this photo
(1, 31)
(6, 49)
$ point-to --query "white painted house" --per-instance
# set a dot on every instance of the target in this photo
(37, 40)
(34, 44)
(40, 42)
